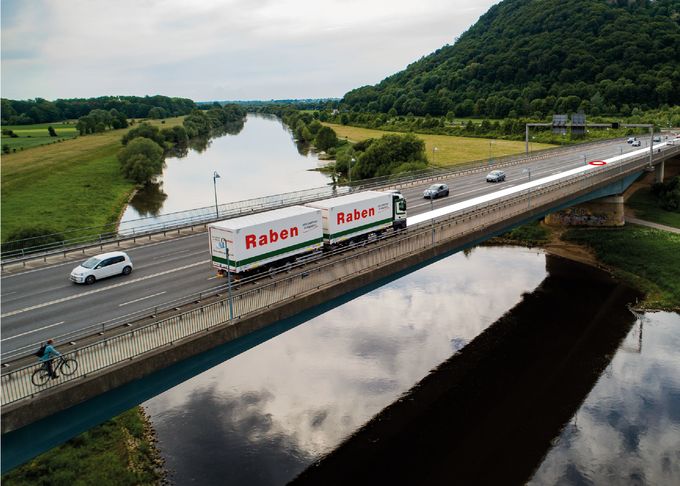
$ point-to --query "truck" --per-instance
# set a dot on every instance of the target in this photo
(247, 242)
(355, 215)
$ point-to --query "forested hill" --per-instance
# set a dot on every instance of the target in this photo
(536, 57)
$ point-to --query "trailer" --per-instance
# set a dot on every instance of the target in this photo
(256, 240)
(354, 215)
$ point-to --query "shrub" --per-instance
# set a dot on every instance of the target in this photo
(31, 237)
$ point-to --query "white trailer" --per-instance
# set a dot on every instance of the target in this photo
(251, 241)
(357, 214)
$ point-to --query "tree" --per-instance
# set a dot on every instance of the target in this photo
(52, 131)
(144, 130)
(141, 159)
(325, 138)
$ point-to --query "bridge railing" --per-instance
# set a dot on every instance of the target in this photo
(98, 356)
(81, 239)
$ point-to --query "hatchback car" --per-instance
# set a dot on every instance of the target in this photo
(630, 140)
(435, 191)
(636, 143)
(102, 266)
(495, 176)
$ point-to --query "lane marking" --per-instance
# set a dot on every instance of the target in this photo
(141, 298)
(74, 262)
(8, 293)
(32, 331)
(77, 296)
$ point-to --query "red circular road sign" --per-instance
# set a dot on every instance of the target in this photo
(597, 162)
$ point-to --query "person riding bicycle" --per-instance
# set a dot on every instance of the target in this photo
(47, 357)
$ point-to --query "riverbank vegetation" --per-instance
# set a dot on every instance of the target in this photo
(647, 258)
(119, 451)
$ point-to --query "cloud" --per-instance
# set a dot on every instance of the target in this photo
(220, 49)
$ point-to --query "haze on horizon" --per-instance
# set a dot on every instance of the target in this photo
(219, 49)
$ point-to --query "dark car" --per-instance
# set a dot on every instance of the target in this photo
(495, 176)
(435, 191)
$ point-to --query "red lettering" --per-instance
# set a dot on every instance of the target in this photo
(253, 241)
(355, 215)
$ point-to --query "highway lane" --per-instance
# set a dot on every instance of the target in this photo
(41, 303)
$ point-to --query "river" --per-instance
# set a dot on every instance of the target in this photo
(263, 417)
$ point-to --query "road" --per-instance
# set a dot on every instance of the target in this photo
(43, 303)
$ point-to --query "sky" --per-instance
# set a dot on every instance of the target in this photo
(219, 49)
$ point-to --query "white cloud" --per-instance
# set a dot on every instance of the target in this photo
(226, 49)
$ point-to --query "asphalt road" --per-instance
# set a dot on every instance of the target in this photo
(43, 303)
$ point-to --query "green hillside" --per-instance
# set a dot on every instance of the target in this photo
(536, 57)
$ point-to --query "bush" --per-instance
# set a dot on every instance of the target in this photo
(668, 194)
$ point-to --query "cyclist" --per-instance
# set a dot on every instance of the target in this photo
(47, 357)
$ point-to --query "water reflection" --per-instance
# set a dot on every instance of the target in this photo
(628, 429)
(150, 200)
(263, 416)
(253, 160)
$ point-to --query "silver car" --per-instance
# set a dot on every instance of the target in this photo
(102, 266)
(495, 176)
(435, 191)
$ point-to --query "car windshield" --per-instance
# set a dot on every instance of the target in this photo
(433, 187)
(90, 262)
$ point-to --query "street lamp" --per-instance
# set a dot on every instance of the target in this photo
(434, 151)
(226, 254)
(215, 177)
(432, 218)
(490, 152)
(528, 171)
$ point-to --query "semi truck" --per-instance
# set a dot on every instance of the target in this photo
(256, 240)
(261, 240)
(354, 215)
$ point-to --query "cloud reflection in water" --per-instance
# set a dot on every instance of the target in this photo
(263, 416)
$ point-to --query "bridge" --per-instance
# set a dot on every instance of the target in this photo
(124, 350)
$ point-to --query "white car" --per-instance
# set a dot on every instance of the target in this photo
(102, 266)
(636, 143)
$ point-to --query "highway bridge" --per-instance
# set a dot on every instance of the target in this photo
(173, 298)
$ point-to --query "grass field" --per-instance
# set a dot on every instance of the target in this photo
(646, 207)
(118, 451)
(35, 135)
(647, 258)
(450, 150)
(69, 185)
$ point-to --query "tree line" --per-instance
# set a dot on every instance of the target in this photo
(40, 110)
(528, 58)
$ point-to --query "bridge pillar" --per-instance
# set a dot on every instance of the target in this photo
(658, 172)
(607, 211)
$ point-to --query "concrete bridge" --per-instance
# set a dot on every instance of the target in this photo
(121, 356)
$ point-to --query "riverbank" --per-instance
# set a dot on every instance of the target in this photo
(645, 258)
(119, 451)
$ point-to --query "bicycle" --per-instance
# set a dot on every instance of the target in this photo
(65, 366)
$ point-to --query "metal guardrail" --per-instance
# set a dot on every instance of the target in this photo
(93, 237)
(17, 385)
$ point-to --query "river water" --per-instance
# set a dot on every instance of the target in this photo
(263, 417)
(259, 160)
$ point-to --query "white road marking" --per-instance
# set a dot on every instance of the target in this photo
(74, 263)
(32, 331)
(8, 293)
(141, 298)
(64, 299)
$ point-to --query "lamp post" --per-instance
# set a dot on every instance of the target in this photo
(432, 218)
(226, 254)
(349, 172)
(434, 151)
(528, 171)
(215, 177)
(491, 152)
